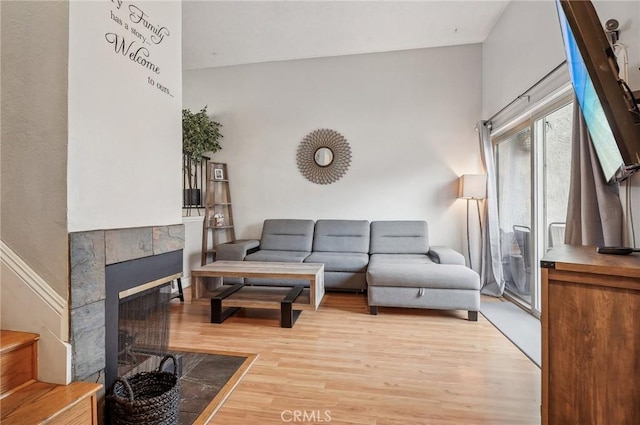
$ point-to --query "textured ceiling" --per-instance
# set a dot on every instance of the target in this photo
(223, 33)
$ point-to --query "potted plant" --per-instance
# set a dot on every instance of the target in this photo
(200, 134)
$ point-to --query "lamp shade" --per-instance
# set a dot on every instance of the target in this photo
(473, 186)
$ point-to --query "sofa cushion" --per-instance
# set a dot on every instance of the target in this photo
(340, 261)
(400, 259)
(399, 237)
(341, 236)
(275, 256)
(413, 275)
(287, 235)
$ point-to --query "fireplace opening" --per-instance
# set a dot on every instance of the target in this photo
(143, 330)
(137, 330)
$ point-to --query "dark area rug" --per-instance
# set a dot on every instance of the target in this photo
(207, 380)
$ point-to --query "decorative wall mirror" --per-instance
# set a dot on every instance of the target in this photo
(323, 156)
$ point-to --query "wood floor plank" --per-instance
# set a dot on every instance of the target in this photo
(403, 366)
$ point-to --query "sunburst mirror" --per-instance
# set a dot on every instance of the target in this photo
(323, 156)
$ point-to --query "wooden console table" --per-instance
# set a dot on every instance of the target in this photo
(291, 300)
(590, 337)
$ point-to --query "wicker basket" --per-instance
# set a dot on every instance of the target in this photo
(150, 398)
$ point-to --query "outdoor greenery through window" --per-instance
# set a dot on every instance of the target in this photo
(533, 162)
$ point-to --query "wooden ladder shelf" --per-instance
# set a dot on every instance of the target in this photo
(217, 226)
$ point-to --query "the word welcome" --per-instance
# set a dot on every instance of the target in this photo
(138, 55)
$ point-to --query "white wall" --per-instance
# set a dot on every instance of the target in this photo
(191, 257)
(408, 116)
(125, 134)
(524, 46)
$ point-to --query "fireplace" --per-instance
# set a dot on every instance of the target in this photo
(137, 312)
(109, 270)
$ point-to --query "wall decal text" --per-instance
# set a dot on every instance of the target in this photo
(135, 37)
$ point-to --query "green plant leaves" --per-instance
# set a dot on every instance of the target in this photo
(200, 134)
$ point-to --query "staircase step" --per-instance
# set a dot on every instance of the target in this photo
(28, 401)
(43, 403)
(10, 340)
(18, 360)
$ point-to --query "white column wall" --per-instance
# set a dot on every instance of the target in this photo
(125, 120)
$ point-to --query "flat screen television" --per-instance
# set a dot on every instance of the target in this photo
(608, 105)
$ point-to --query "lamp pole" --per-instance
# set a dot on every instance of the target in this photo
(473, 187)
(469, 239)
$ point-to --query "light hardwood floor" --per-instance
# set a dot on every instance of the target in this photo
(340, 365)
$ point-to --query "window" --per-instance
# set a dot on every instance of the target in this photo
(533, 162)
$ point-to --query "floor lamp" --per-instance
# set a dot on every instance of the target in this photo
(473, 187)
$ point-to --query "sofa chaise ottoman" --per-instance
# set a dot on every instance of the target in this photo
(405, 271)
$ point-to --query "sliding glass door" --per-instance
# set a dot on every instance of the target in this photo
(533, 164)
(514, 161)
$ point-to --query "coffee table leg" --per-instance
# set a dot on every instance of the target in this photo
(217, 314)
(288, 316)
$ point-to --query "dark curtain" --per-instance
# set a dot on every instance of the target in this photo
(594, 214)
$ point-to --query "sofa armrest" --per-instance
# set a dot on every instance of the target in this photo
(445, 255)
(236, 250)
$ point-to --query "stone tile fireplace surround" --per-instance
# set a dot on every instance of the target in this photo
(90, 253)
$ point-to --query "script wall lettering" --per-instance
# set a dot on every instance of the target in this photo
(135, 37)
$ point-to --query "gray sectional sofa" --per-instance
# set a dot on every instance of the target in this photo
(391, 260)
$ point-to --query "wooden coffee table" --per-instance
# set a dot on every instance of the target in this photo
(291, 300)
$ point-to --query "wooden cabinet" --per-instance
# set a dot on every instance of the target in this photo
(218, 218)
(590, 337)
